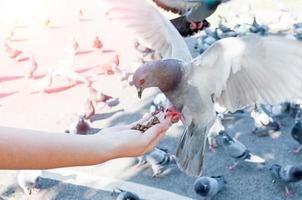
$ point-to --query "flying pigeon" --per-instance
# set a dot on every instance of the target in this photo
(157, 159)
(287, 174)
(193, 13)
(208, 187)
(238, 151)
(235, 72)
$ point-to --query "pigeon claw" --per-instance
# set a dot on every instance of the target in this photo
(288, 193)
(297, 151)
(213, 147)
(174, 116)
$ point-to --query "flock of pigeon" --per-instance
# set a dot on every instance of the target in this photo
(226, 73)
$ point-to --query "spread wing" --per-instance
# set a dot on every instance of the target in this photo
(177, 6)
(150, 26)
(241, 71)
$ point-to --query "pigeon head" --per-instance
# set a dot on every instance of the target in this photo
(202, 186)
(225, 137)
(275, 169)
(296, 173)
(164, 74)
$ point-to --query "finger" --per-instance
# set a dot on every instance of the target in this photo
(156, 130)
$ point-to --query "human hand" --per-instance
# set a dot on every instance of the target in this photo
(126, 142)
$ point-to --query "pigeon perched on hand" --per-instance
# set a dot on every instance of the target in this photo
(208, 187)
(235, 72)
(238, 151)
(157, 159)
(193, 13)
(287, 174)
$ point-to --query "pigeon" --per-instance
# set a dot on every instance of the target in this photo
(12, 52)
(147, 53)
(208, 187)
(287, 174)
(124, 195)
(30, 68)
(72, 47)
(43, 84)
(47, 23)
(157, 159)
(214, 131)
(193, 13)
(261, 119)
(89, 109)
(259, 29)
(80, 127)
(110, 67)
(238, 151)
(97, 43)
(296, 133)
(160, 102)
(27, 180)
(235, 72)
(65, 70)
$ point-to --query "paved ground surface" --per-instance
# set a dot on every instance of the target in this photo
(53, 112)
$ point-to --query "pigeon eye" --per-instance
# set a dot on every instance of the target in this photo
(142, 81)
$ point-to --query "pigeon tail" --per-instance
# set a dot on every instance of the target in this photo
(252, 158)
(190, 151)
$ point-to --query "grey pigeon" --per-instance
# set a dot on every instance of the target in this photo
(296, 133)
(27, 180)
(259, 29)
(238, 151)
(157, 159)
(193, 13)
(235, 72)
(208, 187)
(287, 174)
(125, 195)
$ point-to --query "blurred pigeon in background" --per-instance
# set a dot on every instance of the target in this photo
(158, 159)
(208, 187)
(296, 132)
(238, 151)
(193, 13)
(27, 180)
(214, 132)
(287, 174)
(124, 195)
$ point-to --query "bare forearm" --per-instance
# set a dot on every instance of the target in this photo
(28, 149)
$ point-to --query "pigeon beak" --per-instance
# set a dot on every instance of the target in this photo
(139, 92)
